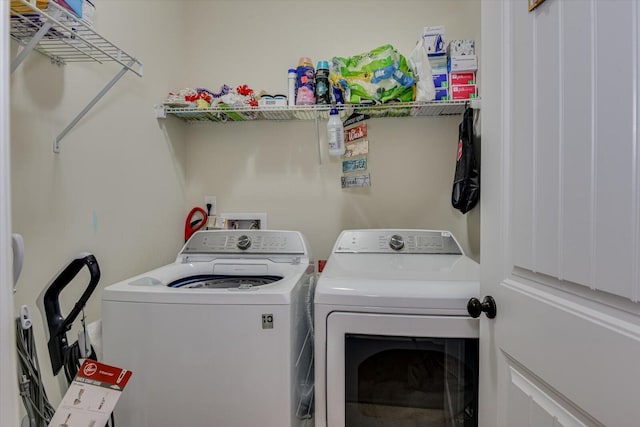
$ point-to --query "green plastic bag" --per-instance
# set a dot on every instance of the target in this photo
(380, 75)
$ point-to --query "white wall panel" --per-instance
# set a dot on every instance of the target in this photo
(547, 74)
(523, 137)
(575, 201)
(577, 141)
(535, 401)
(615, 155)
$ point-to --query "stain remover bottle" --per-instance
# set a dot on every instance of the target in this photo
(335, 134)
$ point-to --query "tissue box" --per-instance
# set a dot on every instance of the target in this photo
(462, 63)
(83, 9)
(463, 78)
(438, 64)
(461, 48)
(434, 40)
(442, 94)
(463, 92)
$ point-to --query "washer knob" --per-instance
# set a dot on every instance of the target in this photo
(396, 242)
(244, 242)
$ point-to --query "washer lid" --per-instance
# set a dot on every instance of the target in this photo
(155, 286)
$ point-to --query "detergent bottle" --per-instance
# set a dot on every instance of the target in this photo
(323, 94)
(305, 74)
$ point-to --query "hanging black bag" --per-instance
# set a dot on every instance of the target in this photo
(466, 182)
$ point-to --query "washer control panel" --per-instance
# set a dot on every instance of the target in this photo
(397, 241)
(245, 241)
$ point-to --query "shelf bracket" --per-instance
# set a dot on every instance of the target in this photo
(318, 138)
(26, 50)
(56, 141)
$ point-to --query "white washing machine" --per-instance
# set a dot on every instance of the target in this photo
(220, 338)
(395, 346)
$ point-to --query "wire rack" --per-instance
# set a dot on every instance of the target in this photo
(66, 37)
(312, 112)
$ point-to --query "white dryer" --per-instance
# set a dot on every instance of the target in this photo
(221, 337)
(395, 345)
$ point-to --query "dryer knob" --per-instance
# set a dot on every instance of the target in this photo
(244, 242)
(396, 242)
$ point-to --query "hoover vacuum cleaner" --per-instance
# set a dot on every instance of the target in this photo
(62, 355)
(60, 352)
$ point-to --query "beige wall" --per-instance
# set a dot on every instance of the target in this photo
(123, 182)
(274, 167)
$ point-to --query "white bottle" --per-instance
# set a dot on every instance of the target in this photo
(292, 87)
(335, 134)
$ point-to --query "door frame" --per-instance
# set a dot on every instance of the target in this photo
(495, 128)
(8, 387)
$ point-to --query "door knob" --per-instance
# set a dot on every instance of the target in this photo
(488, 305)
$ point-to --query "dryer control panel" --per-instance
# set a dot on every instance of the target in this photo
(245, 241)
(398, 241)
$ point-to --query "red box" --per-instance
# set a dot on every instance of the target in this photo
(463, 92)
(462, 78)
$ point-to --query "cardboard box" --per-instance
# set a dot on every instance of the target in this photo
(442, 94)
(83, 9)
(463, 92)
(462, 63)
(434, 40)
(438, 64)
(18, 7)
(462, 78)
(440, 80)
(461, 48)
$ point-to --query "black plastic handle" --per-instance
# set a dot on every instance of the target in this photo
(57, 324)
(488, 305)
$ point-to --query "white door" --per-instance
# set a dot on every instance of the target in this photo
(561, 213)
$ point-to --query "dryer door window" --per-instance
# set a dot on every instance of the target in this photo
(404, 380)
(399, 370)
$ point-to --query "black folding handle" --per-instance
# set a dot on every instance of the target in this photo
(57, 324)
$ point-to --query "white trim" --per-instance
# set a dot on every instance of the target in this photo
(596, 316)
(561, 143)
(594, 115)
(635, 291)
(534, 144)
(8, 384)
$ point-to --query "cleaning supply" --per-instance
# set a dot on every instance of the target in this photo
(323, 94)
(305, 78)
(291, 96)
(335, 134)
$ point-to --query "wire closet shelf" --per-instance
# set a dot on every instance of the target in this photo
(312, 112)
(63, 37)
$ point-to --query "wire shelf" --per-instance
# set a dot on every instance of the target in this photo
(312, 112)
(67, 38)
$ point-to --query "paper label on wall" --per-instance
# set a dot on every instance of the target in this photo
(362, 180)
(91, 396)
(355, 118)
(358, 148)
(355, 132)
(354, 165)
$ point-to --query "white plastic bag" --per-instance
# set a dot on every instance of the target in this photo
(419, 61)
